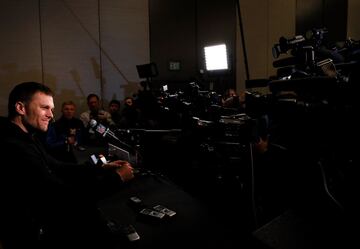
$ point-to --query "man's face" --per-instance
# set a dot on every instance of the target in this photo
(232, 93)
(39, 111)
(114, 108)
(129, 102)
(68, 111)
(93, 104)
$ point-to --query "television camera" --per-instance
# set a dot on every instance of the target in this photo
(316, 72)
(311, 106)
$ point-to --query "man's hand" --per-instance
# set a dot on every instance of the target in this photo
(122, 168)
(101, 115)
(70, 140)
(262, 146)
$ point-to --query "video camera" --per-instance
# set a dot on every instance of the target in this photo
(285, 45)
(313, 37)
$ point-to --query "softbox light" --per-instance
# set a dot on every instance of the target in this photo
(216, 57)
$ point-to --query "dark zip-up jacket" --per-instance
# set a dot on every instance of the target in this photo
(37, 190)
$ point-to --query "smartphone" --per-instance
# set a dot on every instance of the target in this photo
(98, 160)
(147, 212)
(131, 233)
(164, 210)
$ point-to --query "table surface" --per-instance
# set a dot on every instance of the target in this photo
(195, 225)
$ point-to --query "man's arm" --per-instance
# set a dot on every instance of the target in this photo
(85, 118)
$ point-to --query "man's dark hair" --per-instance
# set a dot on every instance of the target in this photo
(69, 102)
(92, 95)
(114, 101)
(24, 92)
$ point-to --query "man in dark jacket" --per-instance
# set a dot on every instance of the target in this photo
(66, 134)
(45, 201)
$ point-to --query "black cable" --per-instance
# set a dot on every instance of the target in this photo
(253, 201)
(100, 56)
(41, 44)
(243, 40)
(326, 188)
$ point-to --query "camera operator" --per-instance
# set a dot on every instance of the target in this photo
(232, 100)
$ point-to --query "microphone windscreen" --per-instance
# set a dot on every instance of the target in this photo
(93, 123)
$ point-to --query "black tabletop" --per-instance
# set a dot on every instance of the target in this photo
(193, 226)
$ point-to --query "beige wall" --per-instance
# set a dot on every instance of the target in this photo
(264, 22)
(353, 27)
(19, 46)
(70, 38)
(71, 56)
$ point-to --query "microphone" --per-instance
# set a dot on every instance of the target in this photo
(106, 132)
(101, 129)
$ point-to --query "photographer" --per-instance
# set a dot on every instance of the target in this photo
(95, 112)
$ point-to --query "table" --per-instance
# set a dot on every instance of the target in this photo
(193, 226)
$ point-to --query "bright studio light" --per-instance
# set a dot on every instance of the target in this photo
(216, 57)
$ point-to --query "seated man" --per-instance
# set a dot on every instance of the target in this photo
(130, 115)
(114, 110)
(44, 200)
(65, 134)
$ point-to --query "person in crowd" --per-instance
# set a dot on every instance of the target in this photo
(233, 100)
(114, 110)
(44, 202)
(66, 134)
(229, 98)
(148, 105)
(130, 115)
(95, 112)
(129, 101)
